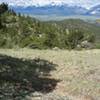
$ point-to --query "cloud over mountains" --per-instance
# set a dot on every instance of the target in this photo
(25, 3)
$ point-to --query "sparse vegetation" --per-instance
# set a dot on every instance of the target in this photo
(78, 72)
(17, 31)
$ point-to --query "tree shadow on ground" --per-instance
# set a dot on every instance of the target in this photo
(21, 77)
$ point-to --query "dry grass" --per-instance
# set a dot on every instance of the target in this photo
(79, 71)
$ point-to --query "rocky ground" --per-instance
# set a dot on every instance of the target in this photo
(78, 72)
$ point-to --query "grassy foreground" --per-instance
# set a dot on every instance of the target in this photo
(79, 71)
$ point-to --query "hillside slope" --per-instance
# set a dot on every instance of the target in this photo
(24, 31)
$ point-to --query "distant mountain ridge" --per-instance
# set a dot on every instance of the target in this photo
(52, 9)
(58, 10)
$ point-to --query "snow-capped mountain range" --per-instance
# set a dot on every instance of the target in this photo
(59, 10)
(58, 7)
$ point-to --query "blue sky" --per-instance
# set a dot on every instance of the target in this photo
(84, 3)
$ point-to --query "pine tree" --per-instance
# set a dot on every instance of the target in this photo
(3, 8)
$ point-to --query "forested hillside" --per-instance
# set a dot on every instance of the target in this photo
(19, 31)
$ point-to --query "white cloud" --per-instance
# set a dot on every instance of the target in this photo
(83, 3)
